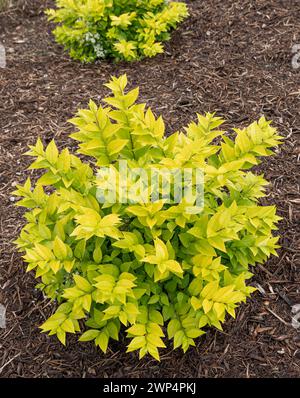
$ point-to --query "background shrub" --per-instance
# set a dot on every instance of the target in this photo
(95, 29)
(143, 266)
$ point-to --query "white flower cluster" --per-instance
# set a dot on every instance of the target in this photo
(94, 39)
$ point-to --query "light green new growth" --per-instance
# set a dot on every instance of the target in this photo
(144, 266)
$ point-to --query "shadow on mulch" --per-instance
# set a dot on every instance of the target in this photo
(231, 57)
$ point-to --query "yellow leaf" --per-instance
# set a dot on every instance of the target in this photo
(82, 284)
(51, 153)
(59, 249)
(219, 309)
(61, 335)
(207, 305)
(173, 266)
(116, 146)
(136, 343)
(137, 330)
(161, 250)
(196, 303)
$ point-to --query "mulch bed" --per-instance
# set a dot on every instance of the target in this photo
(232, 57)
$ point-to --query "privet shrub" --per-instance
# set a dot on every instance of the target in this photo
(129, 30)
(150, 265)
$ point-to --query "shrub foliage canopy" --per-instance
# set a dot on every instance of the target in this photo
(154, 264)
(128, 30)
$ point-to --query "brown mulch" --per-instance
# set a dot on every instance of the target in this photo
(232, 57)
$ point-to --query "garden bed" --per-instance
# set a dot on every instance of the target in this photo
(231, 57)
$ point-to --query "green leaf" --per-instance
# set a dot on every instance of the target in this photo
(178, 338)
(173, 327)
(102, 341)
(155, 316)
(44, 231)
(112, 330)
(194, 333)
(80, 249)
(97, 254)
(154, 299)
